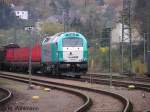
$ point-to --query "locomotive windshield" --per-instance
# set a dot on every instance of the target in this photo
(72, 42)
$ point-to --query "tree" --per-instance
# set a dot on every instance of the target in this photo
(142, 15)
(51, 28)
(7, 17)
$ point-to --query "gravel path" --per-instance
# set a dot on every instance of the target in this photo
(52, 101)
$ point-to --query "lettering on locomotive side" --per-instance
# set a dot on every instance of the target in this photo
(73, 57)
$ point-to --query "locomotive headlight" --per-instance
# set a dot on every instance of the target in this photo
(78, 65)
(68, 65)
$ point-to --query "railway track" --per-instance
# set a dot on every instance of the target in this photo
(127, 106)
(85, 98)
(131, 77)
(117, 82)
(140, 83)
(5, 95)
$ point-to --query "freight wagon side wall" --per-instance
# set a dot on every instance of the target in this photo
(36, 53)
(9, 54)
(22, 54)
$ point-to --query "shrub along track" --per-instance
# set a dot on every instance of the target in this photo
(5, 95)
(127, 106)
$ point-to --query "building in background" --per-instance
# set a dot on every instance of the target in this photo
(22, 14)
(117, 34)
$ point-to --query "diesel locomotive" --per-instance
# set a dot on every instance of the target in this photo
(61, 53)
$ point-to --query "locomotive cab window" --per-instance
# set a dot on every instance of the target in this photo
(72, 42)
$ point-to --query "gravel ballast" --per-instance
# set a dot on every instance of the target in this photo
(139, 98)
(49, 101)
(139, 102)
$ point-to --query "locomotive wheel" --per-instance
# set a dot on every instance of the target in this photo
(10, 69)
(53, 72)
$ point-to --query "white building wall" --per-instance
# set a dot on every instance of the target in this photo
(117, 34)
(22, 14)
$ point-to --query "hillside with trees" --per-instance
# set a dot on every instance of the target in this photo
(92, 18)
(89, 17)
(142, 15)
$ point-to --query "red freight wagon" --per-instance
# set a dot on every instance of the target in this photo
(22, 54)
(18, 58)
(9, 55)
(36, 53)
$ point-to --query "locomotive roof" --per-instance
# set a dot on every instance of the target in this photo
(11, 45)
(55, 38)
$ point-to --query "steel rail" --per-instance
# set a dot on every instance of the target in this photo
(7, 96)
(147, 110)
(132, 78)
(85, 98)
(141, 86)
(127, 104)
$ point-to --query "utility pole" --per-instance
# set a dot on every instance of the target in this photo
(122, 46)
(85, 3)
(126, 26)
(144, 48)
(44, 6)
(148, 32)
(15, 35)
(15, 32)
(30, 58)
(110, 58)
(30, 31)
(130, 34)
(66, 20)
